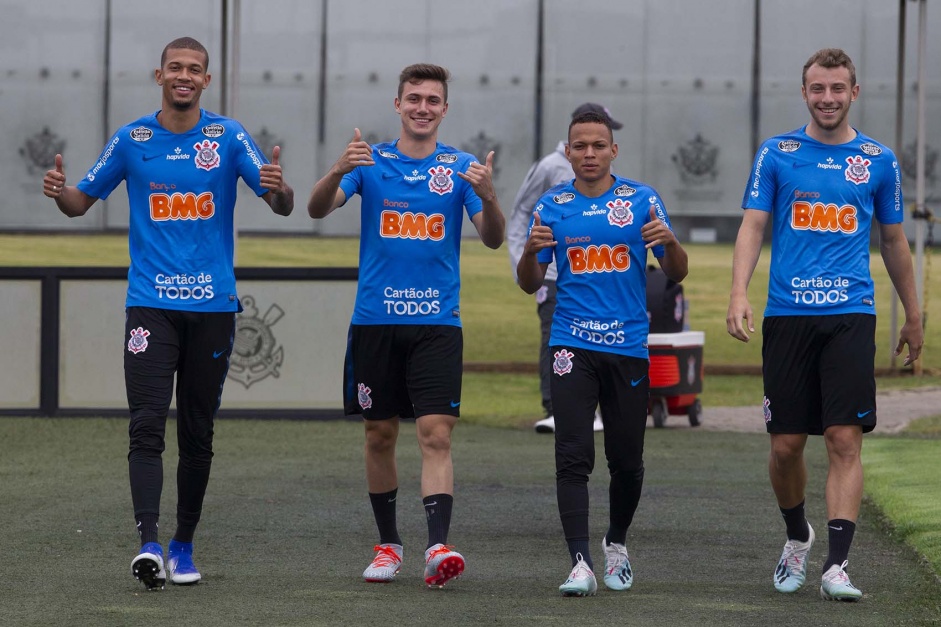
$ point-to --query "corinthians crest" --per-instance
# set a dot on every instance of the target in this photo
(697, 161)
(256, 354)
(39, 151)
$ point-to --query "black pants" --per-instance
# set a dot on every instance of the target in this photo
(621, 386)
(195, 348)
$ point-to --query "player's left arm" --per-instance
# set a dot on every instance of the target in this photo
(280, 195)
(490, 223)
(897, 257)
(674, 262)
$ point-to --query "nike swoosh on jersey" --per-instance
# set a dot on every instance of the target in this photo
(149, 157)
(387, 176)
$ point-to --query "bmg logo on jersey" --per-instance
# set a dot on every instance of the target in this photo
(602, 258)
(818, 216)
(410, 225)
(177, 206)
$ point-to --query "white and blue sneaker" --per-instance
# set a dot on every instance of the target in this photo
(180, 563)
(147, 567)
(617, 567)
(791, 571)
(581, 581)
(835, 585)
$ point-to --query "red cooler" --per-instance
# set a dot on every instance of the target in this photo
(676, 373)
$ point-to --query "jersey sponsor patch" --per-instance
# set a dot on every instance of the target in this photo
(387, 155)
(141, 134)
(563, 198)
(441, 182)
(619, 212)
(788, 145)
(207, 157)
(562, 362)
(213, 130)
(624, 190)
(446, 158)
(138, 341)
(858, 170)
(871, 149)
(362, 396)
(603, 258)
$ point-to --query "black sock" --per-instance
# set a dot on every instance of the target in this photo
(147, 527)
(580, 547)
(438, 513)
(840, 533)
(383, 508)
(796, 521)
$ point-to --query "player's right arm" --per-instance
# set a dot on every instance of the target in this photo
(744, 260)
(530, 271)
(327, 195)
(71, 201)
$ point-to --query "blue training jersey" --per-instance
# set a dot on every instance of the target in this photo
(181, 189)
(822, 199)
(602, 285)
(412, 211)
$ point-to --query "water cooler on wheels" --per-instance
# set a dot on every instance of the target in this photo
(676, 354)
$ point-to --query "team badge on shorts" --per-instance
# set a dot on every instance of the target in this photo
(619, 212)
(440, 181)
(858, 170)
(362, 396)
(207, 157)
(766, 409)
(138, 341)
(563, 362)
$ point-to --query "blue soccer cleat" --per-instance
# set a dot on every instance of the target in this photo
(180, 563)
(147, 567)
(617, 567)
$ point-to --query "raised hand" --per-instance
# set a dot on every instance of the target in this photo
(656, 232)
(271, 176)
(481, 178)
(54, 180)
(540, 237)
(357, 153)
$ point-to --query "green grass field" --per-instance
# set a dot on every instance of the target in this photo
(287, 530)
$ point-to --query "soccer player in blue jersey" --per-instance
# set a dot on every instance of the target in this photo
(552, 169)
(598, 229)
(181, 165)
(404, 358)
(820, 186)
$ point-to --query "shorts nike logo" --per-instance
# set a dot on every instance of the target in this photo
(457, 404)
(863, 414)
(636, 382)
(218, 354)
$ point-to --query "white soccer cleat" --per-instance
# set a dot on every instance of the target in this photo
(581, 581)
(791, 571)
(385, 565)
(835, 585)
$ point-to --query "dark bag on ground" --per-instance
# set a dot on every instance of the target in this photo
(666, 305)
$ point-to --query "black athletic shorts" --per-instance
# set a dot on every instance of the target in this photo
(819, 371)
(403, 370)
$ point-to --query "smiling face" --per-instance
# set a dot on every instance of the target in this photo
(828, 93)
(590, 150)
(421, 107)
(183, 77)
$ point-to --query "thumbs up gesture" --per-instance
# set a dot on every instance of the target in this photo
(655, 232)
(271, 176)
(481, 178)
(54, 180)
(540, 236)
(357, 153)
